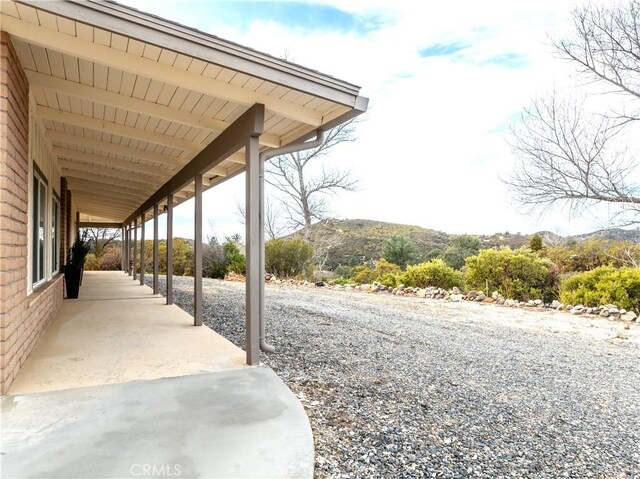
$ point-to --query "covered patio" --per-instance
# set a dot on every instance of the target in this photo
(119, 331)
(122, 385)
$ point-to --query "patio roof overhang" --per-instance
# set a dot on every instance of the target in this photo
(128, 100)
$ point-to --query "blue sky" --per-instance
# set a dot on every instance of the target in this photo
(445, 79)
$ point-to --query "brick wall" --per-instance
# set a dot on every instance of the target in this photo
(22, 318)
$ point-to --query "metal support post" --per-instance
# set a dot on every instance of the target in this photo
(254, 276)
(197, 253)
(142, 258)
(170, 249)
(155, 249)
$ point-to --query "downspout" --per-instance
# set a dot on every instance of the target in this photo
(266, 155)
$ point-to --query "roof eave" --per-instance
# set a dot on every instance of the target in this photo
(163, 33)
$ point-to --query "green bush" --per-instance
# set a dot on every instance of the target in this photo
(603, 285)
(91, 263)
(234, 260)
(391, 280)
(432, 273)
(460, 248)
(399, 250)
(109, 261)
(516, 274)
(363, 275)
(342, 272)
(287, 258)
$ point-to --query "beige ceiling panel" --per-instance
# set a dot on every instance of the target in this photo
(86, 72)
(56, 63)
(167, 57)
(28, 14)
(128, 82)
(226, 75)
(102, 37)
(182, 62)
(155, 87)
(212, 70)
(166, 94)
(71, 70)
(10, 8)
(114, 80)
(240, 79)
(135, 47)
(151, 52)
(84, 31)
(191, 101)
(253, 83)
(119, 42)
(40, 57)
(266, 88)
(100, 76)
(24, 53)
(140, 88)
(178, 97)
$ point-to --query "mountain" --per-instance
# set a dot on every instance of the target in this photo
(355, 241)
(609, 234)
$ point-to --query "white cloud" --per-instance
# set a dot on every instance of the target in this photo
(432, 147)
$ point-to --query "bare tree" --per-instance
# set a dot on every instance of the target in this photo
(100, 238)
(304, 193)
(569, 155)
(274, 227)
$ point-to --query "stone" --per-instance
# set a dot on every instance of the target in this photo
(614, 311)
(577, 309)
(488, 300)
(589, 311)
(629, 316)
(604, 312)
(537, 302)
(480, 297)
(365, 287)
(320, 283)
(455, 290)
(422, 293)
(456, 297)
(555, 304)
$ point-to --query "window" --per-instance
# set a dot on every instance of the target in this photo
(39, 216)
(55, 228)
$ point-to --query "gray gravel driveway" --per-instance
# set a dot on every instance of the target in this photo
(404, 387)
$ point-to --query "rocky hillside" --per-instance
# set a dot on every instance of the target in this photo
(354, 241)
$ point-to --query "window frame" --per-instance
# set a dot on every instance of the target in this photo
(55, 234)
(39, 257)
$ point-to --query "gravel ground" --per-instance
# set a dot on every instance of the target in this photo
(404, 387)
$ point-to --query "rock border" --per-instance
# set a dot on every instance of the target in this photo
(608, 311)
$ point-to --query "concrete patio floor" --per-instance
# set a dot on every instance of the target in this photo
(122, 385)
(119, 331)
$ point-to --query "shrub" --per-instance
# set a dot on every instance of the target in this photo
(91, 263)
(399, 250)
(391, 280)
(603, 285)
(518, 274)
(342, 272)
(287, 257)
(536, 243)
(432, 273)
(109, 261)
(234, 260)
(461, 248)
(363, 274)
